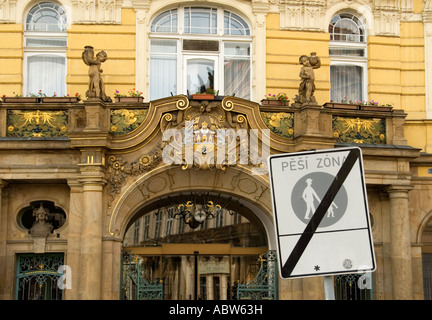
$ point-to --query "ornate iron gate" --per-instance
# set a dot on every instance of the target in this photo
(135, 285)
(37, 277)
(264, 285)
(353, 287)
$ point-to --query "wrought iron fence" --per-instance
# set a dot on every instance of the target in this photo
(353, 287)
(37, 277)
(135, 285)
(264, 285)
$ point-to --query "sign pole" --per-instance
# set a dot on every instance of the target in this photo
(329, 288)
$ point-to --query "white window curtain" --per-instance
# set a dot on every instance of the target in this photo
(237, 70)
(163, 68)
(46, 73)
(346, 83)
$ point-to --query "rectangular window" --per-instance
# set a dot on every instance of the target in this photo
(46, 72)
(181, 226)
(346, 82)
(46, 42)
(163, 68)
(158, 223)
(220, 219)
(136, 232)
(351, 52)
(146, 227)
(169, 222)
(237, 69)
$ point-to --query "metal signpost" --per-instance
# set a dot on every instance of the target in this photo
(321, 214)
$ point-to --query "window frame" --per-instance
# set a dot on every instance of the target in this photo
(47, 50)
(351, 60)
(180, 35)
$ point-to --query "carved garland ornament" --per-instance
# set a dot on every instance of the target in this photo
(119, 169)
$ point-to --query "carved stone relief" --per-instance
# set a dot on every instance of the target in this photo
(97, 11)
(7, 11)
(309, 15)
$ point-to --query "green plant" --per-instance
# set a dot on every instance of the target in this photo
(77, 95)
(118, 95)
(210, 90)
(134, 93)
(364, 102)
(281, 96)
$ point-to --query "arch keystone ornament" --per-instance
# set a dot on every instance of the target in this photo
(321, 213)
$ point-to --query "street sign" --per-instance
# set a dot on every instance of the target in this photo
(321, 213)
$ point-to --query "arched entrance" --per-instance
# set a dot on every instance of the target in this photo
(182, 260)
(425, 238)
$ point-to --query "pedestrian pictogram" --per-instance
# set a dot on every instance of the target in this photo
(321, 213)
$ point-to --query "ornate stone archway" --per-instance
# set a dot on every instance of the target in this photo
(251, 191)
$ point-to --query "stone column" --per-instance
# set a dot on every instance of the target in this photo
(313, 288)
(400, 247)
(91, 239)
(209, 287)
(111, 262)
(74, 237)
(223, 287)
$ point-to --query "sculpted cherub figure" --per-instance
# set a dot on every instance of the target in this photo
(307, 76)
(96, 87)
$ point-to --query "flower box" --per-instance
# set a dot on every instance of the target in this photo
(59, 99)
(376, 108)
(129, 99)
(274, 102)
(20, 99)
(348, 106)
(203, 96)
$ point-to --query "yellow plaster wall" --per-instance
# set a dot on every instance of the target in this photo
(283, 51)
(118, 41)
(11, 55)
(384, 71)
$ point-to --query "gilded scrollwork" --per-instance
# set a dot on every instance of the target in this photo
(37, 124)
(359, 130)
(119, 169)
(280, 123)
(126, 120)
(202, 138)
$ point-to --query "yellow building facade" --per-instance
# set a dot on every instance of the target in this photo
(97, 164)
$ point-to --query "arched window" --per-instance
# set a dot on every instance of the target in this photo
(192, 48)
(348, 58)
(45, 43)
(346, 27)
(46, 16)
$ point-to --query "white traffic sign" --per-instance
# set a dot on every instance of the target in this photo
(321, 213)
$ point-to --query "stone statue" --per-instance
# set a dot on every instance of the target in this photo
(307, 76)
(41, 227)
(96, 87)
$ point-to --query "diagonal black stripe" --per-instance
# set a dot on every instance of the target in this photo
(320, 212)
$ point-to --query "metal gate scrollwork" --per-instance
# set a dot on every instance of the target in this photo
(264, 285)
(37, 277)
(135, 284)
